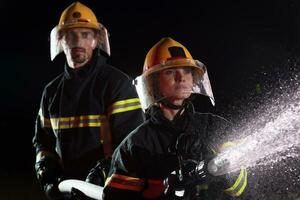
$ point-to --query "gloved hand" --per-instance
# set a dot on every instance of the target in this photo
(52, 192)
(99, 173)
(178, 183)
(49, 174)
(198, 173)
(78, 195)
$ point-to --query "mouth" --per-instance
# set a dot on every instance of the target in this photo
(183, 87)
(77, 50)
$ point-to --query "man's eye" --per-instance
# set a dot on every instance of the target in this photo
(70, 35)
(87, 35)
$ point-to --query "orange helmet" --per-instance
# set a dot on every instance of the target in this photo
(168, 53)
(77, 15)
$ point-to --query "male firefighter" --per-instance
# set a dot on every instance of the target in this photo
(88, 109)
(166, 156)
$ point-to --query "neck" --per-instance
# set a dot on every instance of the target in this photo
(170, 113)
(76, 65)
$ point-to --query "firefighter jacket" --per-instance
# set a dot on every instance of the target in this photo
(145, 157)
(84, 114)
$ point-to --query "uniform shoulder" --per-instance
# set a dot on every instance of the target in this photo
(53, 84)
(115, 73)
(138, 136)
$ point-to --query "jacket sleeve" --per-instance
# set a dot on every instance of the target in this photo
(123, 181)
(44, 139)
(124, 110)
(234, 183)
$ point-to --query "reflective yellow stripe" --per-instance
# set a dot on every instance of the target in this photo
(241, 190)
(125, 182)
(237, 182)
(72, 122)
(229, 144)
(240, 184)
(124, 106)
(232, 189)
(129, 108)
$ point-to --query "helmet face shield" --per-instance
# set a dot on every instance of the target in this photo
(55, 43)
(147, 84)
(56, 37)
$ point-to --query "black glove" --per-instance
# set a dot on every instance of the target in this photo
(181, 184)
(78, 195)
(99, 173)
(49, 174)
(52, 192)
(197, 172)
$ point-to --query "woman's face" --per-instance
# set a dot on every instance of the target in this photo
(176, 84)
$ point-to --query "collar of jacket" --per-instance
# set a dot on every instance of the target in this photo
(96, 62)
(176, 126)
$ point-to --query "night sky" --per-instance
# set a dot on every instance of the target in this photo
(236, 40)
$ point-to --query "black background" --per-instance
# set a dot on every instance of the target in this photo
(236, 40)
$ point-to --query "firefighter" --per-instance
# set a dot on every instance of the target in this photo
(166, 156)
(88, 109)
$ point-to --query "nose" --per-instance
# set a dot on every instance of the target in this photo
(76, 39)
(179, 75)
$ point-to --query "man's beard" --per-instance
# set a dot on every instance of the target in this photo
(78, 55)
(79, 58)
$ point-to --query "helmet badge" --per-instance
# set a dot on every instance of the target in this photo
(76, 15)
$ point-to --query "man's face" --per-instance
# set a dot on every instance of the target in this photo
(78, 45)
(176, 84)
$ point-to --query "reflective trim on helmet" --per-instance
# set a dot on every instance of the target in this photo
(182, 62)
(124, 106)
(125, 182)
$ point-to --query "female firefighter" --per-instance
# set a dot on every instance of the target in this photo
(166, 157)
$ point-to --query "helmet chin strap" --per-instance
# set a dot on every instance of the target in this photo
(170, 105)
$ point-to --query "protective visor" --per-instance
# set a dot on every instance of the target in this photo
(146, 84)
(56, 41)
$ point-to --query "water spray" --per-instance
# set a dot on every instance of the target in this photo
(276, 140)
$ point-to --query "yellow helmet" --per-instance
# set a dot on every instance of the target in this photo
(78, 15)
(169, 53)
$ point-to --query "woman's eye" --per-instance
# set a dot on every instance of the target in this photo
(187, 70)
(169, 72)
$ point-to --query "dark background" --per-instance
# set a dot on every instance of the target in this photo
(238, 41)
